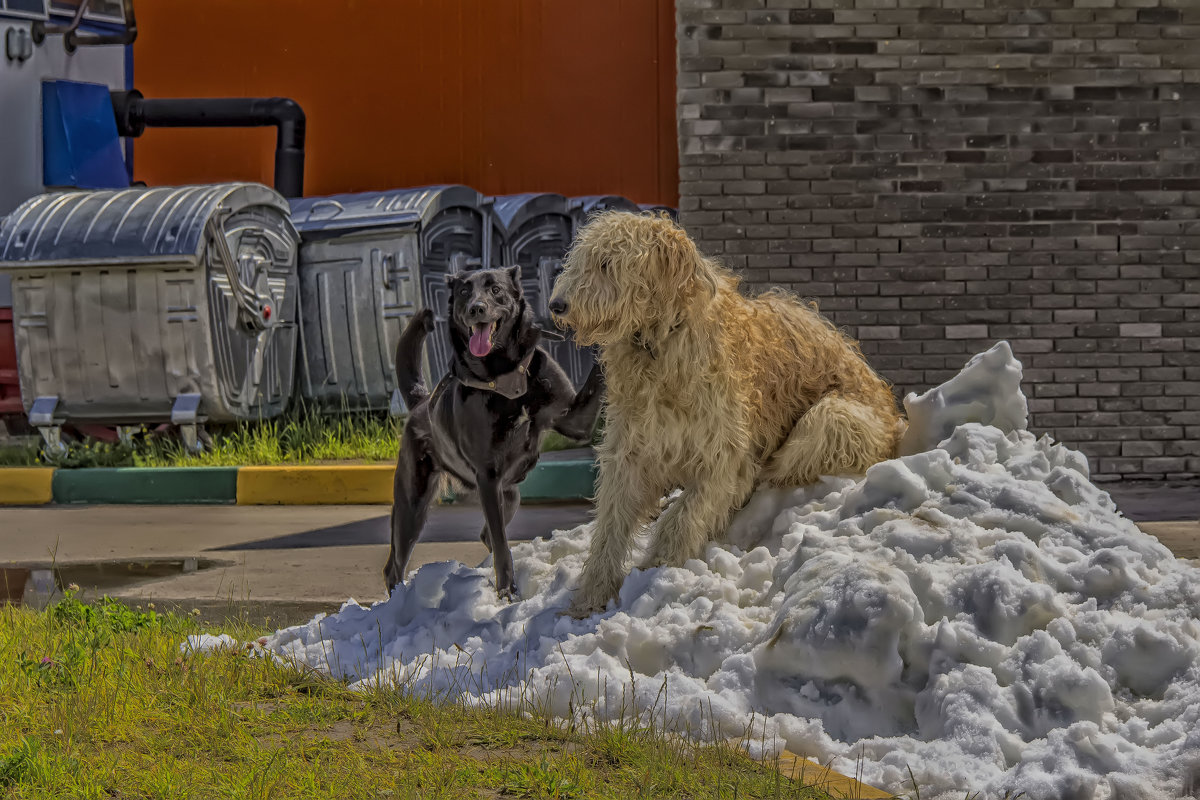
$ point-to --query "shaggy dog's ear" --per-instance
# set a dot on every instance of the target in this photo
(685, 271)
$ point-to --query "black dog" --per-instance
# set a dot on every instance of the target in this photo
(483, 423)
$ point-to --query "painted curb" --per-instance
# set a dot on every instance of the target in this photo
(561, 481)
(360, 484)
(372, 484)
(147, 485)
(306, 486)
(810, 773)
(26, 486)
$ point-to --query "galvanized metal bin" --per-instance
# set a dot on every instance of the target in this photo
(10, 385)
(152, 305)
(359, 286)
(537, 230)
(584, 207)
(671, 211)
(368, 262)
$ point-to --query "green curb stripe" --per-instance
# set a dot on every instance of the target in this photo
(151, 485)
(549, 481)
(560, 480)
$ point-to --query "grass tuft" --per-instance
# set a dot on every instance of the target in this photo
(302, 436)
(100, 702)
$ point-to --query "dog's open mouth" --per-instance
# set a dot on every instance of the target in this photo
(481, 338)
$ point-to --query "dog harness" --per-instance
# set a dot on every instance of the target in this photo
(511, 384)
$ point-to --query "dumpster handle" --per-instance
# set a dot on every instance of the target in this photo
(255, 316)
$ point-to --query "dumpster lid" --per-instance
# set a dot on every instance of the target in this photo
(514, 209)
(127, 225)
(602, 202)
(654, 208)
(340, 213)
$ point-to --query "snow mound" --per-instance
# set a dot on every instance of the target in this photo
(979, 612)
(988, 391)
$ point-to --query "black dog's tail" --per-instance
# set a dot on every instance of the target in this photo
(408, 358)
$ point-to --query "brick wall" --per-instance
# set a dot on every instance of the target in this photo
(941, 175)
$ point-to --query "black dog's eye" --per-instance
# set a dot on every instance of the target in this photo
(463, 291)
(495, 291)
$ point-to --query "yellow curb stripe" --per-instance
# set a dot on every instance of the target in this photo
(810, 773)
(310, 486)
(26, 486)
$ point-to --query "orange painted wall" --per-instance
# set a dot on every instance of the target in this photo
(503, 95)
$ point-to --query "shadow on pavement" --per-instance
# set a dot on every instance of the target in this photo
(446, 524)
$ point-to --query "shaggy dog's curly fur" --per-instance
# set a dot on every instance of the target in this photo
(708, 391)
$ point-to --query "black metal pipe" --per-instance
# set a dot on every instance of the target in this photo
(135, 113)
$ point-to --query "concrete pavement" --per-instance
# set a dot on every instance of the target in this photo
(263, 562)
(279, 565)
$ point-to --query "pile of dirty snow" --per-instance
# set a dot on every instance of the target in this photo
(976, 611)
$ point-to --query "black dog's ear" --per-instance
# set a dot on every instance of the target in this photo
(514, 274)
(451, 278)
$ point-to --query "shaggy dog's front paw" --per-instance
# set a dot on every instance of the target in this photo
(665, 554)
(508, 594)
(588, 601)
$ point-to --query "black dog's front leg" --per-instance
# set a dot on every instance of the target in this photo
(580, 418)
(408, 358)
(493, 512)
(512, 501)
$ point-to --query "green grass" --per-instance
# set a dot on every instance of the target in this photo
(301, 436)
(98, 703)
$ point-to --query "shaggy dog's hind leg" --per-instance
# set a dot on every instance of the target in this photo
(837, 436)
(700, 514)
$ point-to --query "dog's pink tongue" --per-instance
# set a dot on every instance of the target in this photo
(481, 340)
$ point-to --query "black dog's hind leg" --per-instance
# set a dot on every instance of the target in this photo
(416, 483)
(512, 501)
(580, 419)
(408, 358)
(490, 497)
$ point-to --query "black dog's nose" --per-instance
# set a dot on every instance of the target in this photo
(477, 308)
(558, 306)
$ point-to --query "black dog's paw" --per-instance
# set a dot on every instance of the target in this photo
(509, 594)
(425, 317)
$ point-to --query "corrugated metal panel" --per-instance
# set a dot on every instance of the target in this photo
(524, 95)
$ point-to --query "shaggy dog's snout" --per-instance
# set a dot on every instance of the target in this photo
(558, 306)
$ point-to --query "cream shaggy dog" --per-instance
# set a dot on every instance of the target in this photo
(708, 392)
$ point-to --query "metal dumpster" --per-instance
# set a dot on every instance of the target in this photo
(367, 263)
(359, 286)
(584, 207)
(537, 230)
(153, 305)
(671, 211)
(10, 387)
